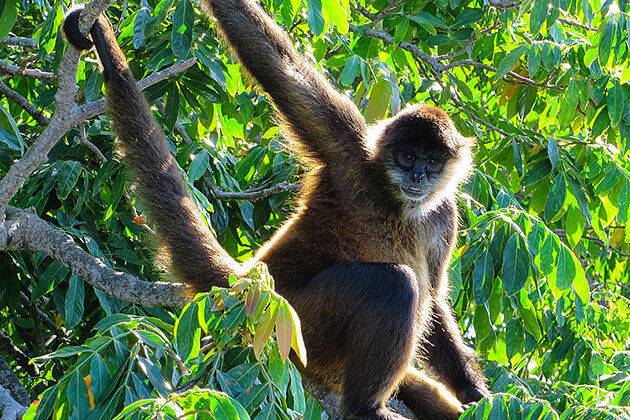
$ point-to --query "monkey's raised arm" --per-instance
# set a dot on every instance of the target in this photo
(195, 255)
(324, 122)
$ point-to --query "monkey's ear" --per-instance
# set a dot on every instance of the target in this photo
(72, 32)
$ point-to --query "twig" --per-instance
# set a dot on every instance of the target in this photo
(179, 127)
(516, 76)
(18, 355)
(384, 36)
(10, 409)
(20, 41)
(385, 12)
(43, 317)
(24, 103)
(577, 24)
(91, 147)
(92, 109)
(13, 70)
(26, 231)
(504, 4)
(562, 233)
(11, 383)
(251, 195)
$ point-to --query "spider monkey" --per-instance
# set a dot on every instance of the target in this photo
(363, 260)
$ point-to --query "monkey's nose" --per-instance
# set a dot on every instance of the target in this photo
(417, 176)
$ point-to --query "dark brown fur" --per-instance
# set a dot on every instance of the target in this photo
(364, 269)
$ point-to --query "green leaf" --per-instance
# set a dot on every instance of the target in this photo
(181, 35)
(483, 276)
(8, 16)
(314, 16)
(515, 338)
(616, 103)
(430, 20)
(565, 272)
(510, 60)
(77, 394)
(188, 332)
(143, 17)
(74, 301)
(378, 103)
(171, 109)
(515, 264)
(350, 71)
(552, 151)
(556, 197)
(605, 42)
(538, 16)
(99, 376)
(198, 165)
(68, 176)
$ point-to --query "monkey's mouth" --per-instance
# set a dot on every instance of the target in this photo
(413, 193)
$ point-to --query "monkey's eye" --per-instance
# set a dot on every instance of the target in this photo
(432, 161)
(405, 159)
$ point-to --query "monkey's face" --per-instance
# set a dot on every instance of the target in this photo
(423, 154)
(416, 169)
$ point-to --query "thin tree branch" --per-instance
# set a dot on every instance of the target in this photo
(253, 194)
(13, 70)
(26, 231)
(20, 41)
(503, 4)
(24, 103)
(43, 317)
(92, 109)
(516, 76)
(6, 344)
(89, 145)
(576, 24)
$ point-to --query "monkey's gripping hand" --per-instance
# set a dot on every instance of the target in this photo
(196, 257)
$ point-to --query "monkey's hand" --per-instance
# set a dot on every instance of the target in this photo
(472, 393)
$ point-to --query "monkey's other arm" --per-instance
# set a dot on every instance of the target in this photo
(195, 255)
(325, 123)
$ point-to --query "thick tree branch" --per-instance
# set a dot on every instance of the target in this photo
(11, 383)
(26, 231)
(24, 103)
(9, 408)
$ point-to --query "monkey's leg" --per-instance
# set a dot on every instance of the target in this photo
(358, 323)
(427, 398)
(450, 359)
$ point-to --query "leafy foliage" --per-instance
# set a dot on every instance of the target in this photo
(540, 277)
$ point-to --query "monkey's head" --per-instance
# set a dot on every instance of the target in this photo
(423, 155)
